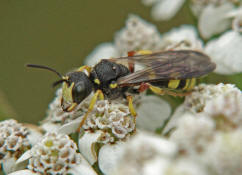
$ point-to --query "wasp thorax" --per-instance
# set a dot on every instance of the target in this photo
(75, 90)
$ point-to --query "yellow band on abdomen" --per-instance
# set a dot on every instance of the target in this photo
(173, 84)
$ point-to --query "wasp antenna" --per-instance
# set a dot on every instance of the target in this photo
(58, 82)
(43, 67)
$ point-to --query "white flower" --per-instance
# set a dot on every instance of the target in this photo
(213, 19)
(193, 133)
(152, 112)
(185, 166)
(109, 122)
(13, 143)
(222, 103)
(102, 51)
(137, 35)
(111, 117)
(226, 108)
(144, 154)
(164, 9)
(202, 94)
(184, 37)
(56, 154)
(224, 155)
(236, 15)
(226, 52)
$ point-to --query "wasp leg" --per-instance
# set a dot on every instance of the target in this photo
(161, 91)
(88, 68)
(156, 90)
(97, 94)
(131, 107)
(179, 94)
(143, 87)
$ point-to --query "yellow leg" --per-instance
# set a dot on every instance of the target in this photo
(161, 91)
(97, 94)
(156, 90)
(179, 94)
(89, 69)
(131, 107)
(144, 52)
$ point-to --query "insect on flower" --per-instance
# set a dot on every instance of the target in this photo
(168, 72)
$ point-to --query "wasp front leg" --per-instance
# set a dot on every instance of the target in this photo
(97, 94)
(131, 106)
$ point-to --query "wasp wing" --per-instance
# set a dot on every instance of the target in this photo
(168, 65)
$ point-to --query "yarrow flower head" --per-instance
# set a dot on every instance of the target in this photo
(145, 154)
(114, 119)
(137, 35)
(13, 139)
(198, 99)
(54, 154)
(224, 155)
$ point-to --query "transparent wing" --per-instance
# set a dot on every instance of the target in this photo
(180, 64)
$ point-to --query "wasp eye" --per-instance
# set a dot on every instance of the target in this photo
(79, 92)
(80, 87)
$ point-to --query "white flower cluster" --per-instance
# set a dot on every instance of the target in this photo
(137, 35)
(207, 128)
(113, 119)
(202, 94)
(13, 139)
(54, 154)
(143, 154)
(225, 50)
(206, 139)
(214, 16)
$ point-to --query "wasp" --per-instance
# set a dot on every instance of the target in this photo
(169, 72)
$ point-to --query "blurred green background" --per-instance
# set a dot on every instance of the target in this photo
(60, 34)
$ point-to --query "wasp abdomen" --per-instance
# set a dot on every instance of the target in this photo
(184, 84)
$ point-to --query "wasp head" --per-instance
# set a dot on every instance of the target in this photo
(76, 87)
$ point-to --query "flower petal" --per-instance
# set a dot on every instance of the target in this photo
(183, 37)
(25, 172)
(108, 157)
(166, 9)
(105, 50)
(24, 157)
(9, 165)
(213, 19)
(84, 168)
(172, 124)
(226, 52)
(87, 145)
(50, 127)
(152, 112)
(70, 127)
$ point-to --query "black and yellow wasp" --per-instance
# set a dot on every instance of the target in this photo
(168, 72)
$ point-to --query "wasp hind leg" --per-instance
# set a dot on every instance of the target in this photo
(161, 91)
(97, 94)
